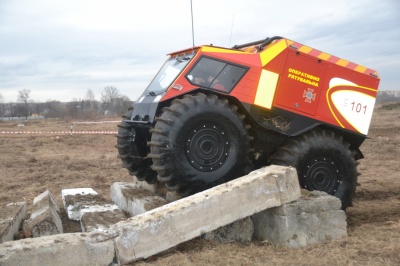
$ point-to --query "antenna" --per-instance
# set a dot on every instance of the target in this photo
(191, 10)
(230, 38)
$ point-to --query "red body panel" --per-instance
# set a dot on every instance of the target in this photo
(310, 83)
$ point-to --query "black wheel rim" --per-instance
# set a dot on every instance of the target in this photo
(207, 147)
(322, 174)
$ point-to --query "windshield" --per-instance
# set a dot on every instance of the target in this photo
(168, 74)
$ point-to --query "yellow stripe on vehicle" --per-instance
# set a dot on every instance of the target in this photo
(342, 62)
(360, 68)
(324, 56)
(211, 49)
(305, 49)
(266, 89)
(330, 108)
(273, 51)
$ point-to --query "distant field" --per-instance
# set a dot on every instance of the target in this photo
(30, 164)
(391, 106)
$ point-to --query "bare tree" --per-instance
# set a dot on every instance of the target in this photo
(24, 95)
(74, 109)
(53, 109)
(2, 105)
(122, 104)
(90, 107)
(90, 95)
(109, 96)
(23, 98)
(90, 98)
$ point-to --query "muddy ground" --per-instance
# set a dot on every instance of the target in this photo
(30, 164)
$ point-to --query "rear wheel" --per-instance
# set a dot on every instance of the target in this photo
(323, 161)
(199, 141)
(132, 150)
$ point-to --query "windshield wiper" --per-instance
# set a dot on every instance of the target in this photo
(181, 59)
(152, 93)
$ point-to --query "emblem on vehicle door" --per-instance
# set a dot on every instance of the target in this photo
(309, 95)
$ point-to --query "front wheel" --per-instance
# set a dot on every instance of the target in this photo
(132, 150)
(323, 161)
(199, 141)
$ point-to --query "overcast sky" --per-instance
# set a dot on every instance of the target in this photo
(60, 49)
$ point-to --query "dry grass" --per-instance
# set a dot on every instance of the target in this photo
(31, 164)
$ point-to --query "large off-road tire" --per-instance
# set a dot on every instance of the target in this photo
(323, 161)
(199, 141)
(132, 150)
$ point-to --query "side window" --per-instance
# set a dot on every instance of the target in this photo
(215, 74)
(229, 77)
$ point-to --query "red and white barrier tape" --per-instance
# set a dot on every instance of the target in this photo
(61, 132)
(99, 122)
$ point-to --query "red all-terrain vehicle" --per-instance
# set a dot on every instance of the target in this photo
(212, 114)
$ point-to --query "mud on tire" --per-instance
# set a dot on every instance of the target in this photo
(199, 141)
(132, 150)
(323, 161)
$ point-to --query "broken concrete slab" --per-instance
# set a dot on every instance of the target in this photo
(91, 209)
(240, 231)
(134, 199)
(311, 202)
(97, 208)
(45, 218)
(193, 216)
(11, 217)
(169, 225)
(101, 218)
(76, 198)
(45, 199)
(44, 222)
(314, 218)
(95, 248)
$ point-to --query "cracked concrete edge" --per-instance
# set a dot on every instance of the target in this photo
(9, 226)
(193, 216)
(134, 199)
(134, 239)
(95, 248)
(45, 199)
(45, 221)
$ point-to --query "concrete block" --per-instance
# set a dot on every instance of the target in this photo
(239, 231)
(314, 218)
(101, 218)
(91, 209)
(95, 248)
(182, 220)
(45, 218)
(11, 217)
(45, 199)
(97, 208)
(310, 202)
(44, 222)
(134, 199)
(76, 198)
